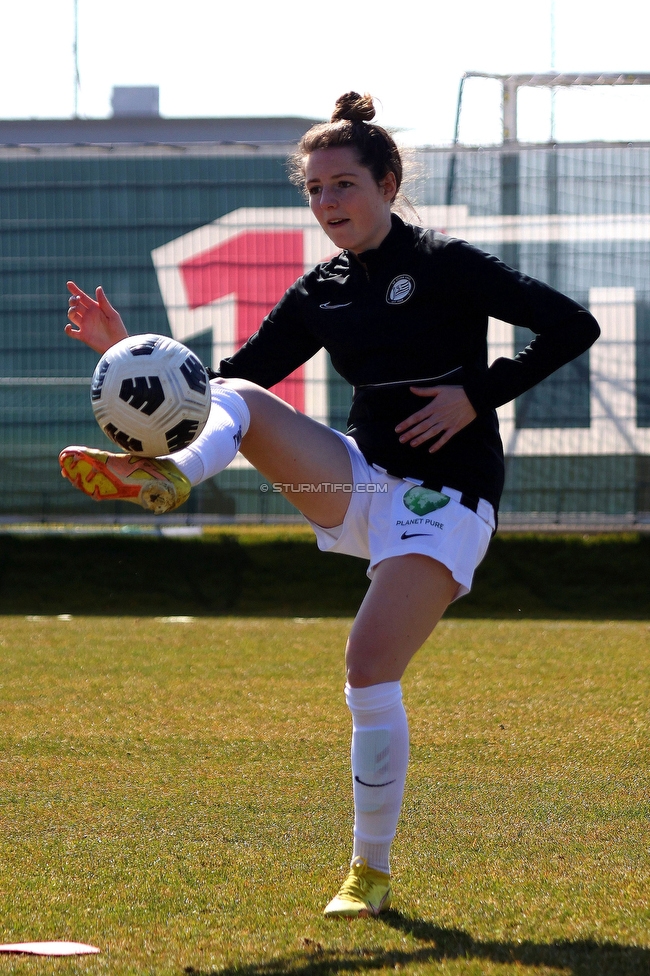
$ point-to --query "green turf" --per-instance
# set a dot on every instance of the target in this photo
(279, 572)
(178, 794)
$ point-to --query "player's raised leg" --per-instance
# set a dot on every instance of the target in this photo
(283, 444)
(160, 484)
(307, 458)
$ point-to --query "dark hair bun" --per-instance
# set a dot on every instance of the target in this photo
(352, 127)
(353, 107)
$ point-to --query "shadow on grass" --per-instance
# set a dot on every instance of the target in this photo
(579, 958)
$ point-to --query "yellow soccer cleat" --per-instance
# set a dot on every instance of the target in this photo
(364, 892)
(154, 484)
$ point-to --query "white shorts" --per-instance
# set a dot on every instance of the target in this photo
(390, 516)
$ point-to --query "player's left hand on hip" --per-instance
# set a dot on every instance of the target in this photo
(447, 412)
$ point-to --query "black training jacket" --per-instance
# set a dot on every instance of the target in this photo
(414, 311)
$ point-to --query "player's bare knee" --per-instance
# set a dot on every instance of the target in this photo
(360, 679)
(360, 668)
(259, 400)
(245, 388)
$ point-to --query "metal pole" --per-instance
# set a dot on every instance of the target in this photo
(451, 172)
(75, 54)
(553, 67)
(510, 109)
(458, 108)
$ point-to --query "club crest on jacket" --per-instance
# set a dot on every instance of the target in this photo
(400, 290)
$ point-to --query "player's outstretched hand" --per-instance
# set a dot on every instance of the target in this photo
(447, 412)
(94, 320)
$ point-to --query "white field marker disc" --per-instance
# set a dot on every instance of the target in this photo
(50, 948)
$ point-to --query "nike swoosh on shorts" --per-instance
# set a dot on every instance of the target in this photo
(330, 306)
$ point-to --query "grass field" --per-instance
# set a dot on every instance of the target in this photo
(178, 795)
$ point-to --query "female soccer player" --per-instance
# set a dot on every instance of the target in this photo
(403, 313)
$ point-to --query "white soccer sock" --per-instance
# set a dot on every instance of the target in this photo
(219, 441)
(380, 752)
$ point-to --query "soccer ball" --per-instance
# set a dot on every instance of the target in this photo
(150, 395)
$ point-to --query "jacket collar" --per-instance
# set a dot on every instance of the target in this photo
(398, 235)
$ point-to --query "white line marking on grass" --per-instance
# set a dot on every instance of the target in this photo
(181, 531)
(175, 620)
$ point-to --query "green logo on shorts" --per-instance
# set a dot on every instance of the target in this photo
(421, 501)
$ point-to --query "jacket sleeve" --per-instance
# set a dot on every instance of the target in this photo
(282, 343)
(563, 328)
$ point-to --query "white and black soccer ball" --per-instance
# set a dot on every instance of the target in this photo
(150, 395)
